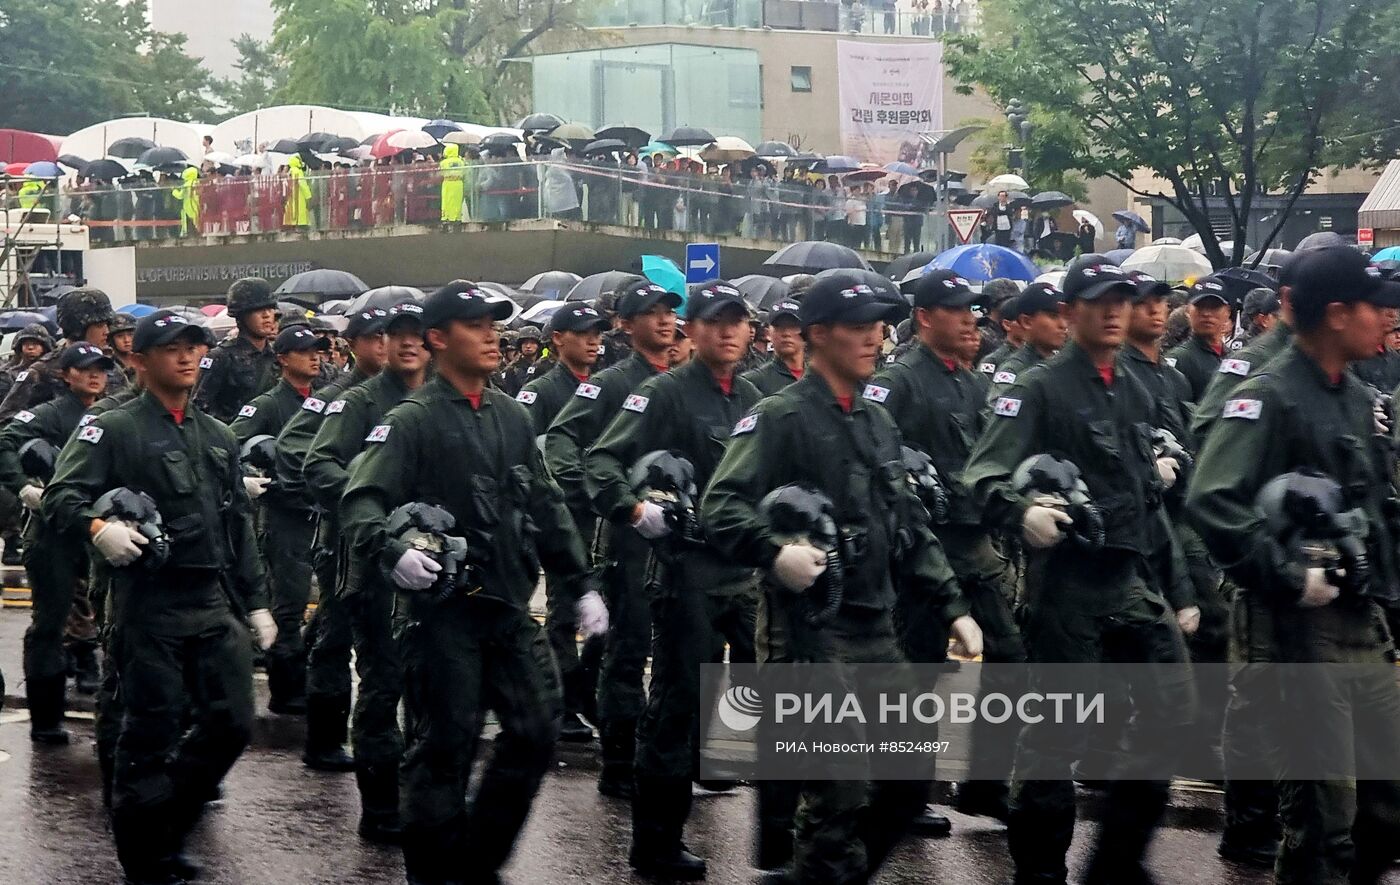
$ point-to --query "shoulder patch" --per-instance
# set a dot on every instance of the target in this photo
(22, 375)
(636, 403)
(987, 368)
(588, 391)
(248, 411)
(333, 408)
(312, 404)
(875, 393)
(746, 425)
(86, 420)
(91, 434)
(24, 416)
(1004, 378)
(1234, 367)
(1170, 360)
(602, 348)
(527, 397)
(206, 361)
(378, 434)
(1008, 407)
(530, 371)
(1243, 408)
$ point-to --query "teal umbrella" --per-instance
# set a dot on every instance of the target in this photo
(663, 272)
(657, 147)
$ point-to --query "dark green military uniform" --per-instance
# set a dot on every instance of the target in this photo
(288, 528)
(1009, 371)
(1197, 360)
(1381, 371)
(1087, 607)
(1288, 417)
(469, 652)
(56, 565)
(544, 397)
(518, 374)
(699, 600)
(802, 435)
(180, 645)
(989, 364)
(232, 374)
(1248, 360)
(619, 551)
(43, 381)
(770, 377)
(938, 409)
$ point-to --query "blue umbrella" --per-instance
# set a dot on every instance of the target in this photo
(980, 262)
(1133, 220)
(1390, 253)
(136, 310)
(438, 128)
(43, 169)
(901, 169)
(664, 273)
(1118, 256)
(657, 147)
(15, 320)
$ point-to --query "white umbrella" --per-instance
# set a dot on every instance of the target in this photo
(1007, 182)
(462, 138)
(542, 311)
(1083, 215)
(1055, 278)
(727, 149)
(1194, 242)
(252, 161)
(1171, 263)
(218, 157)
(1166, 241)
(410, 140)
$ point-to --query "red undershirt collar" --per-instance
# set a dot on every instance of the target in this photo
(846, 402)
(1106, 373)
(474, 399)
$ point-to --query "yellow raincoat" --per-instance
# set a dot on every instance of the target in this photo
(188, 195)
(296, 211)
(29, 194)
(454, 171)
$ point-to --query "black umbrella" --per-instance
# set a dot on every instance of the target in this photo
(590, 288)
(438, 128)
(72, 161)
(963, 198)
(383, 297)
(284, 146)
(896, 269)
(321, 142)
(1015, 199)
(317, 285)
(631, 136)
(775, 149)
(804, 160)
(812, 256)
(688, 136)
(1132, 219)
(552, 284)
(16, 320)
(129, 148)
(747, 165)
(1051, 200)
(105, 170)
(163, 156)
(920, 192)
(1323, 239)
(501, 138)
(885, 289)
(1239, 280)
(762, 292)
(540, 123)
(1268, 258)
(604, 146)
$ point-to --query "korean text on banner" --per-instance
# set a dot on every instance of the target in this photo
(889, 93)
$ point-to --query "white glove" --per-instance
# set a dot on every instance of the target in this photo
(967, 637)
(1189, 619)
(256, 485)
(798, 566)
(264, 627)
(1317, 590)
(1382, 419)
(1041, 526)
(119, 543)
(1167, 469)
(592, 614)
(415, 570)
(30, 494)
(651, 523)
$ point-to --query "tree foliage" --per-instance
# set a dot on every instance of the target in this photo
(261, 77)
(1222, 99)
(65, 64)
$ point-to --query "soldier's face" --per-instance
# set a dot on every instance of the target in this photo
(850, 351)
(952, 330)
(578, 348)
(529, 347)
(1360, 328)
(261, 323)
(720, 341)
(369, 351)
(653, 330)
(1044, 329)
(680, 351)
(86, 382)
(786, 339)
(301, 364)
(1101, 323)
(1209, 319)
(1148, 321)
(406, 351)
(96, 334)
(469, 346)
(31, 350)
(171, 367)
(121, 342)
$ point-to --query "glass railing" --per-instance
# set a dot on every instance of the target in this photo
(493, 192)
(899, 17)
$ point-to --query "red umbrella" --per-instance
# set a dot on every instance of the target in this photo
(381, 147)
(15, 168)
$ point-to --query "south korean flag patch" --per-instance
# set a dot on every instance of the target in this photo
(987, 368)
(588, 391)
(746, 425)
(875, 393)
(1234, 367)
(636, 403)
(90, 434)
(1170, 360)
(1008, 407)
(335, 407)
(312, 404)
(205, 362)
(1249, 409)
(527, 397)
(86, 420)
(248, 411)
(378, 434)
(24, 416)
(1004, 378)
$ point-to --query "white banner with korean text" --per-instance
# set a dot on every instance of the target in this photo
(889, 93)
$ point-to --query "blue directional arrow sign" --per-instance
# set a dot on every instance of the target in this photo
(701, 262)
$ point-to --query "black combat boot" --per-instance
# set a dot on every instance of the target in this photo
(46, 704)
(286, 683)
(659, 810)
(144, 845)
(326, 718)
(87, 676)
(619, 746)
(379, 803)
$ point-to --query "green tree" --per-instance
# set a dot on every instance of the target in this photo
(261, 76)
(1223, 100)
(65, 64)
(1048, 164)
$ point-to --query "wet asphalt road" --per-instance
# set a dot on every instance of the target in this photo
(281, 823)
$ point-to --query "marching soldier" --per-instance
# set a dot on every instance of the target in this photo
(1012, 341)
(83, 315)
(178, 600)
(1040, 327)
(32, 342)
(528, 339)
(243, 366)
(472, 644)
(789, 353)
(1208, 312)
(119, 333)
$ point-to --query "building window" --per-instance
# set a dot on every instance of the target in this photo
(801, 78)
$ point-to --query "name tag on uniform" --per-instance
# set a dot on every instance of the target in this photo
(22, 375)
(1170, 360)
(378, 434)
(337, 406)
(1243, 408)
(1234, 367)
(206, 361)
(90, 434)
(875, 393)
(24, 416)
(527, 397)
(588, 391)
(987, 368)
(247, 411)
(1008, 407)
(1004, 378)
(312, 404)
(746, 425)
(636, 403)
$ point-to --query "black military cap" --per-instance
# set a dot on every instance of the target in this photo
(1039, 298)
(712, 299)
(1149, 286)
(462, 300)
(1337, 273)
(84, 356)
(577, 317)
(642, 296)
(1088, 282)
(835, 300)
(403, 314)
(781, 310)
(163, 327)
(298, 338)
(1261, 301)
(943, 288)
(1209, 286)
(1011, 307)
(367, 322)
